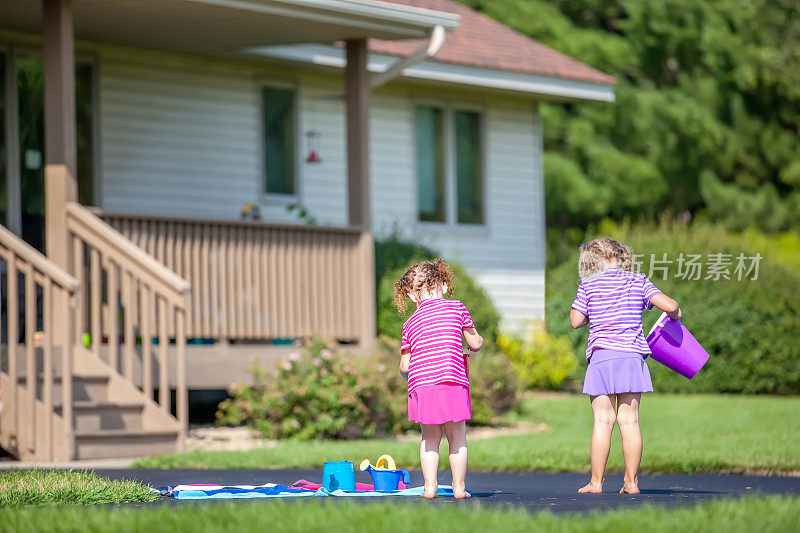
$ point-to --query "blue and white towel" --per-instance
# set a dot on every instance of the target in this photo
(274, 490)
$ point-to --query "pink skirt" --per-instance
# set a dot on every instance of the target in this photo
(437, 404)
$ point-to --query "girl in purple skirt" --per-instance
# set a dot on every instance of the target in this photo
(611, 299)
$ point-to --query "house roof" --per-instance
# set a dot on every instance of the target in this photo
(481, 42)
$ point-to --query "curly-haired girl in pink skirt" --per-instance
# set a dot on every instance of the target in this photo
(432, 357)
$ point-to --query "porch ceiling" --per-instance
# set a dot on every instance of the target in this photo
(227, 26)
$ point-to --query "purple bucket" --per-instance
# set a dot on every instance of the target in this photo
(675, 348)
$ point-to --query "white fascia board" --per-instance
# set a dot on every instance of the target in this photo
(331, 56)
(406, 21)
(427, 18)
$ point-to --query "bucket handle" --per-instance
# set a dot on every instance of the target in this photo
(388, 460)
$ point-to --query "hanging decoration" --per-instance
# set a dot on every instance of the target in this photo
(312, 141)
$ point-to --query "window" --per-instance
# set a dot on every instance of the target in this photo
(449, 165)
(84, 111)
(430, 164)
(279, 138)
(469, 178)
(22, 161)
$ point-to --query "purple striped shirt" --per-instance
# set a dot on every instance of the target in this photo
(433, 334)
(614, 300)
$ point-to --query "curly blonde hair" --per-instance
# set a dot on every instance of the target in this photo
(427, 275)
(602, 253)
(626, 260)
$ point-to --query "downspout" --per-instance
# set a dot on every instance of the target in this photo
(395, 69)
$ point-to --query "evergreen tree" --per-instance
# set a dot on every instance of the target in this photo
(707, 111)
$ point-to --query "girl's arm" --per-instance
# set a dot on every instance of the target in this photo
(405, 359)
(667, 304)
(577, 319)
(474, 341)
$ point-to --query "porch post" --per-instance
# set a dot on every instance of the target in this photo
(357, 90)
(60, 146)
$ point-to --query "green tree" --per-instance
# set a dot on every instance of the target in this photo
(707, 111)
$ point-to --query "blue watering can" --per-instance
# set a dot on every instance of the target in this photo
(387, 478)
(339, 475)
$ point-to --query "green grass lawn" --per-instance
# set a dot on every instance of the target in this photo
(54, 487)
(692, 433)
(732, 516)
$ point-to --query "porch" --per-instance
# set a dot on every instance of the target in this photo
(96, 328)
(256, 287)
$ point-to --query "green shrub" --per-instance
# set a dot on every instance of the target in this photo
(541, 360)
(749, 327)
(493, 387)
(323, 392)
(392, 253)
(394, 256)
(319, 393)
(481, 309)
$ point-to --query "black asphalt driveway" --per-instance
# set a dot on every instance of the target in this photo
(534, 491)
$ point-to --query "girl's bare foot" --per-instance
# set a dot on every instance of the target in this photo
(591, 488)
(629, 489)
(430, 492)
(460, 493)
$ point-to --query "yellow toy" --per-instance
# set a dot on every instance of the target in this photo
(383, 459)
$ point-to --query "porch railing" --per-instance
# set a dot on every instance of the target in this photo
(255, 280)
(41, 296)
(131, 300)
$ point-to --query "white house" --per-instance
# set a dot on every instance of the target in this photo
(411, 116)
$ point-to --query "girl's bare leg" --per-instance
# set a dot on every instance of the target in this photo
(429, 458)
(457, 439)
(604, 416)
(628, 421)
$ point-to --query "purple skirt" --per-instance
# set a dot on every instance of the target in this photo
(614, 372)
(437, 404)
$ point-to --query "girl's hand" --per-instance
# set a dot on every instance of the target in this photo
(474, 340)
(405, 361)
(667, 304)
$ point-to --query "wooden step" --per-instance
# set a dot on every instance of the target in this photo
(94, 416)
(118, 443)
(89, 387)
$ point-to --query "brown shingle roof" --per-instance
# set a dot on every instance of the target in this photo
(479, 41)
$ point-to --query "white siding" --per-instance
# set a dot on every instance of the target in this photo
(324, 184)
(181, 136)
(176, 141)
(507, 255)
(185, 139)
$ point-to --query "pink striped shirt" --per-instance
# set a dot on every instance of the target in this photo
(434, 336)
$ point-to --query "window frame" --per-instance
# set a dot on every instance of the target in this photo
(451, 223)
(271, 198)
